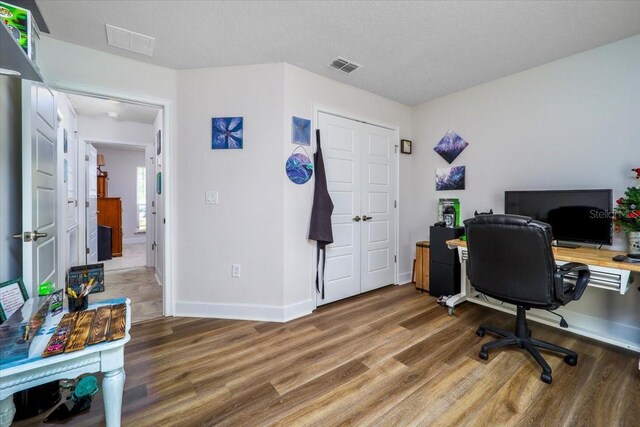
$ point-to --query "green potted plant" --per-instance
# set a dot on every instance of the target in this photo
(627, 215)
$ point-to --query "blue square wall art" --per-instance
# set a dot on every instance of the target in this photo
(450, 178)
(226, 133)
(300, 131)
(450, 146)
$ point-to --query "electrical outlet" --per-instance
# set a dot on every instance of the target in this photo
(211, 197)
(235, 270)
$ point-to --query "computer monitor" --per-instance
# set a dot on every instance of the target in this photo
(583, 216)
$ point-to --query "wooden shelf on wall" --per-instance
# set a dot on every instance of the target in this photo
(13, 57)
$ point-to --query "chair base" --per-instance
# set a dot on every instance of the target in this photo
(522, 338)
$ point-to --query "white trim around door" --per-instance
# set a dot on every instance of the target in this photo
(167, 107)
(317, 110)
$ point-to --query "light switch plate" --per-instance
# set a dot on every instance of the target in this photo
(235, 270)
(211, 197)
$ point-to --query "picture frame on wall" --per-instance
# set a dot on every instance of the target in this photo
(159, 183)
(159, 142)
(405, 146)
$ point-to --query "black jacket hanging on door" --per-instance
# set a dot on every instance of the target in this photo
(320, 229)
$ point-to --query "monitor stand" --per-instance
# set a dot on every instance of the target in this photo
(566, 245)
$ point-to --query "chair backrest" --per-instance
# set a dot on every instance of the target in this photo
(510, 258)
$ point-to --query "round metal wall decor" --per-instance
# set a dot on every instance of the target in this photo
(299, 168)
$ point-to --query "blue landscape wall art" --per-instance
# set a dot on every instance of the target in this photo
(226, 132)
(300, 131)
(450, 178)
(450, 146)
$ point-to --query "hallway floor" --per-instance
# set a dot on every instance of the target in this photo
(128, 276)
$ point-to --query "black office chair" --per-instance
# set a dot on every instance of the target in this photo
(510, 259)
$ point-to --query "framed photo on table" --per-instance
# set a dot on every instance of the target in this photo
(13, 295)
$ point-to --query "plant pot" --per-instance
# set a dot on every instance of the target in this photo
(633, 237)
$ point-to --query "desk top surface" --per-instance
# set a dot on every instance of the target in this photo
(42, 338)
(590, 256)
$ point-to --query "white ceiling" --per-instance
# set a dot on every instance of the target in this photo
(411, 51)
(98, 108)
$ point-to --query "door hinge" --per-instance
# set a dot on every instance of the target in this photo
(395, 203)
(86, 157)
(395, 148)
(395, 258)
(86, 204)
(88, 251)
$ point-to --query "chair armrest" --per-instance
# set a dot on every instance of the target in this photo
(582, 281)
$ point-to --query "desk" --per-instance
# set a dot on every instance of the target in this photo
(605, 274)
(107, 357)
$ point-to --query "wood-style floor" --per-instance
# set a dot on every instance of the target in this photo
(140, 286)
(392, 357)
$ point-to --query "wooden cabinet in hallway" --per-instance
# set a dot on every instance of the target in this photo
(110, 214)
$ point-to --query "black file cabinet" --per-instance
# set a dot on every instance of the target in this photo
(104, 242)
(444, 267)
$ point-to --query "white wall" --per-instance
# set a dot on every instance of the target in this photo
(10, 177)
(304, 91)
(109, 130)
(246, 227)
(122, 164)
(569, 124)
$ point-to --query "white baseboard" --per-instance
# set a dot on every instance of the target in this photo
(404, 278)
(155, 273)
(132, 240)
(298, 309)
(259, 312)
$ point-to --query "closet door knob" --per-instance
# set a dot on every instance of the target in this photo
(356, 218)
(365, 218)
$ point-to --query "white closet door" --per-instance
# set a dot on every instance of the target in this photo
(360, 166)
(378, 204)
(340, 152)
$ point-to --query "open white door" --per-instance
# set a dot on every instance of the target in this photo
(92, 204)
(39, 120)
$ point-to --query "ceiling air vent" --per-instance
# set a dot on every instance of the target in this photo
(344, 65)
(128, 40)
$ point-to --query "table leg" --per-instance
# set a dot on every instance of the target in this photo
(7, 411)
(112, 388)
(462, 296)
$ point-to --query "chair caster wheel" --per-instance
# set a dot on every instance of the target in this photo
(546, 378)
(480, 332)
(571, 360)
(483, 355)
(452, 310)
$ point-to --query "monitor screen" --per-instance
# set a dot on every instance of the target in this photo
(574, 215)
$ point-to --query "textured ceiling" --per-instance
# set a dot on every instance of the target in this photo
(411, 51)
(98, 108)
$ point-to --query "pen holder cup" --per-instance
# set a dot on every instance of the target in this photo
(78, 304)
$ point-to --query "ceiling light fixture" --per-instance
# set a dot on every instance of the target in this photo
(113, 114)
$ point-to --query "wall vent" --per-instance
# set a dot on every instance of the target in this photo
(344, 65)
(128, 40)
